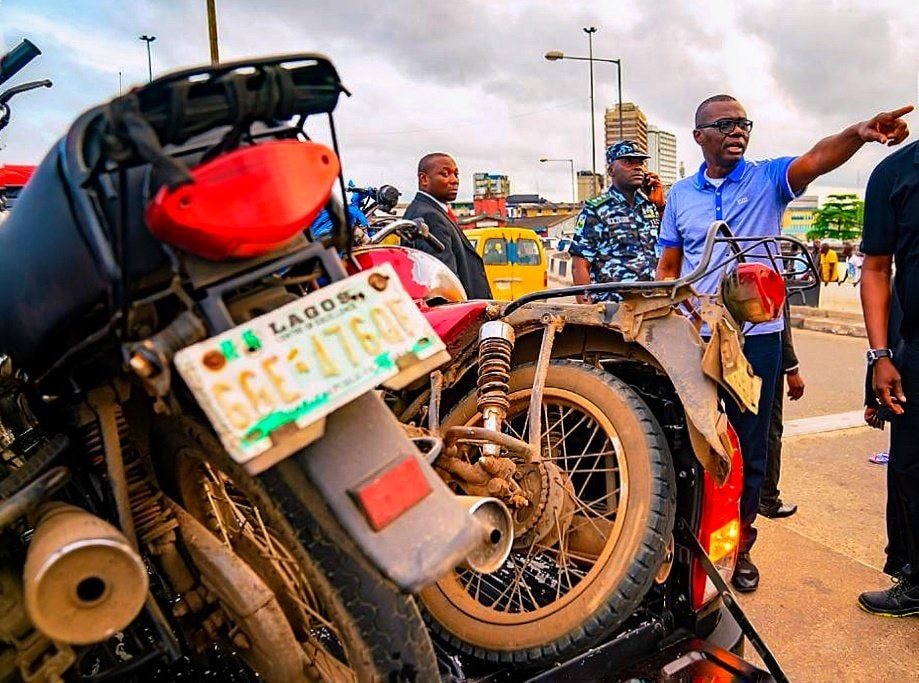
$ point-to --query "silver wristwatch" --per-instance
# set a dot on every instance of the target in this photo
(874, 355)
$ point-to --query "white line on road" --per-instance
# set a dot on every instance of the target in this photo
(825, 423)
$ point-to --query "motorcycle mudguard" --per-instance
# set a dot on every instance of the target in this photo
(364, 452)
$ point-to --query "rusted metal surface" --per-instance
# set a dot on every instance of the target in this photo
(83, 581)
(27, 499)
(103, 403)
(675, 346)
(267, 639)
(552, 324)
(437, 388)
(31, 655)
(724, 361)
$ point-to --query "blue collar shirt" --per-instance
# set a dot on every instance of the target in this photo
(751, 200)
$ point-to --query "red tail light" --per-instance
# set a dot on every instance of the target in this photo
(753, 293)
(545, 278)
(719, 530)
(247, 202)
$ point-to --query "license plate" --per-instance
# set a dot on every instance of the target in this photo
(267, 384)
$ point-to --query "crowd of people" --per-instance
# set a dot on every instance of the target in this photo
(631, 233)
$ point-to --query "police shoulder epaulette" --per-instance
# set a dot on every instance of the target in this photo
(599, 200)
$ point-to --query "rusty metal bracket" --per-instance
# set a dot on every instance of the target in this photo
(686, 537)
(31, 496)
(437, 388)
(635, 309)
(724, 360)
(553, 324)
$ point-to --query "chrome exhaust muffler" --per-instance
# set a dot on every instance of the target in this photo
(497, 528)
(83, 582)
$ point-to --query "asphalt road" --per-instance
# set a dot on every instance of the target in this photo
(814, 565)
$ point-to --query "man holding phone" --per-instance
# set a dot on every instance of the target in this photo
(617, 231)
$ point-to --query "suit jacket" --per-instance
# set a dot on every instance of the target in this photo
(459, 256)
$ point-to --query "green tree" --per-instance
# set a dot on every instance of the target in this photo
(840, 217)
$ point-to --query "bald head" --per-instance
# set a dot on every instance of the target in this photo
(703, 107)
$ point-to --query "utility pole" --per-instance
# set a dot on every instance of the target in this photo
(148, 39)
(212, 30)
(590, 30)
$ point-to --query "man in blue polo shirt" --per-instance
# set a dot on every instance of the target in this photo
(751, 196)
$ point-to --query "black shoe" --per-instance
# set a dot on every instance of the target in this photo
(778, 511)
(746, 575)
(900, 600)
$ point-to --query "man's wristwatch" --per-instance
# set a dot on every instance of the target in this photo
(874, 355)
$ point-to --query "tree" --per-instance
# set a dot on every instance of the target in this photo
(840, 217)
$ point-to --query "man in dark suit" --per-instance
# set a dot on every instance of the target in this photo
(438, 183)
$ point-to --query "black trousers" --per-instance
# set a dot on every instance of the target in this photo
(764, 352)
(769, 495)
(903, 469)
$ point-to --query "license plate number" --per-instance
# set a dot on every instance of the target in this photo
(265, 382)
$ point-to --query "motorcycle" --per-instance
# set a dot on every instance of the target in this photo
(197, 476)
(578, 418)
(14, 177)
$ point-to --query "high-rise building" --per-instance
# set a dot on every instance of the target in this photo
(662, 149)
(490, 185)
(634, 125)
(588, 189)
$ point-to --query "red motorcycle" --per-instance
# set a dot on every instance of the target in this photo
(600, 427)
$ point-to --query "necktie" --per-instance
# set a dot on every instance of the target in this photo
(452, 216)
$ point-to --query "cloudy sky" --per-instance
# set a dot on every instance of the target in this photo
(468, 76)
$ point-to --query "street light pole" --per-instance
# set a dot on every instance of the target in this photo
(148, 39)
(212, 31)
(574, 196)
(590, 30)
(555, 55)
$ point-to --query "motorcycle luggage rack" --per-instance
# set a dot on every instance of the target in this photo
(719, 233)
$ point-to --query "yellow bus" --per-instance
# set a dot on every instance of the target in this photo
(515, 261)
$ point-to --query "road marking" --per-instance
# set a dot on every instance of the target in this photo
(825, 423)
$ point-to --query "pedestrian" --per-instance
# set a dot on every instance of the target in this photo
(751, 196)
(889, 238)
(770, 499)
(828, 261)
(616, 235)
(438, 184)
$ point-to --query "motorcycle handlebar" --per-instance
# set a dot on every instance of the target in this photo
(718, 232)
(7, 95)
(414, 228)
(16, 59)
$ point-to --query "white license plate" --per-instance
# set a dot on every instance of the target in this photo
(266, 384)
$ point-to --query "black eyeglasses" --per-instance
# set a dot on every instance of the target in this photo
(727, 126)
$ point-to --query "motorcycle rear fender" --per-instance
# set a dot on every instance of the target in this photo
(663, 338)
(363, 440)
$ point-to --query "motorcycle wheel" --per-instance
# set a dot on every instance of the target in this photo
(352, 623)
(560, 594)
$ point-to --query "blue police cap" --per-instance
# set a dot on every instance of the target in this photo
(626, 149)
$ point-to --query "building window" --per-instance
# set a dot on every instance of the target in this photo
(563, 268)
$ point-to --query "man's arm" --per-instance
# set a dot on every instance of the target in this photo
(790, 365)
(875, 286)
(580, 273)
(833, 151)
(668, 268)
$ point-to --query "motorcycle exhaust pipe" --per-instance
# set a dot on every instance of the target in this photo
(497, 527)
(83, 582)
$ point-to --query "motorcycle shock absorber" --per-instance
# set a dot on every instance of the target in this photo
(496, 344)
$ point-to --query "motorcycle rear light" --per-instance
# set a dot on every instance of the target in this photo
(754, 293)
(719, 528)
(388, 495)
(247, 202)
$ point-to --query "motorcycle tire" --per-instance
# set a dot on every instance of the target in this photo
(378, 628)
(523, 613)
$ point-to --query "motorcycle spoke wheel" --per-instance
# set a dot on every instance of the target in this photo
(231, 516)
(587, 547)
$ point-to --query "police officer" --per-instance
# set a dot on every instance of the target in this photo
(617, 231)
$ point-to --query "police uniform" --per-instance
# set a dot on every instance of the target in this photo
(616, 238)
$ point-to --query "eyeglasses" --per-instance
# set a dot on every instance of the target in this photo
(727, 126)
